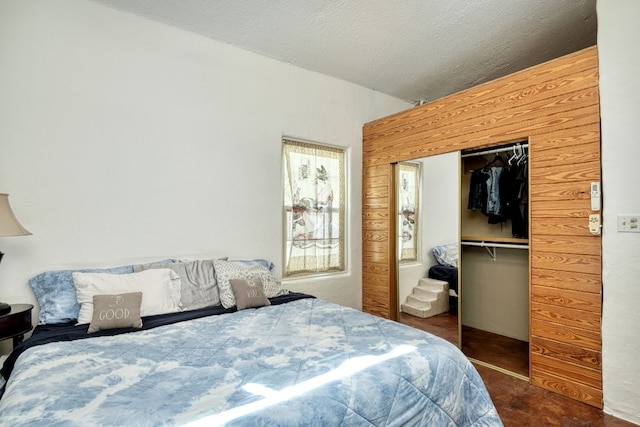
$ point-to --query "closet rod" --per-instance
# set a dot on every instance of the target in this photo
(495, 150)
(495, 245)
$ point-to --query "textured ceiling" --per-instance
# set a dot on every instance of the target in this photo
(411, 49)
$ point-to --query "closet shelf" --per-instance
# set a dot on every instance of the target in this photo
(495, 242)
(492, 239)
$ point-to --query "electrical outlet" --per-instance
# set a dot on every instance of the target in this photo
(629, 223)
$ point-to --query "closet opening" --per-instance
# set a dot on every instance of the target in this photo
(494, 257)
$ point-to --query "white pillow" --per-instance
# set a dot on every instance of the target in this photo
(160, 290)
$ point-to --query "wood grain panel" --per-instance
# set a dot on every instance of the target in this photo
(569, 388)
(377, 252)
(566, 262)
(581, 172)
(567, 141)
(566, 298)
(565, 244)
(547, 78)
(380, 192)
(377, 246)
(584, 282)
(474, 134)
(376, 224)
(577, 208)
(555, 106)
(378, 180)
(566, 316)
(560, 191)
(586, 376)
(381, 258)
(570, 226)
(567, 334)
(567, 352)
(373, 236)
(380, 269)
(497, 117)
(375, 214)
(587, 152)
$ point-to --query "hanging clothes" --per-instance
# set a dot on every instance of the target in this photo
(478, 191)
(494, 197)
(501, 193)
(514, 187)
(523, 197)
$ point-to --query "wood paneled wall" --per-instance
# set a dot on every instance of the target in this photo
(555, 106)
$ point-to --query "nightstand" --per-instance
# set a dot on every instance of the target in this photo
(16, 323)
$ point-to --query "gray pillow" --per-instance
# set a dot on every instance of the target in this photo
(116, 311)
(199, 286)
(249, 293)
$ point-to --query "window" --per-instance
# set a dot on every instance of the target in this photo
(408, 202)
(314, 207)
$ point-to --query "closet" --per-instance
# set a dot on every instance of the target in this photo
(554, 107)
(494, 257)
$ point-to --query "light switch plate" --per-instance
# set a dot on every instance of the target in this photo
(629, 223)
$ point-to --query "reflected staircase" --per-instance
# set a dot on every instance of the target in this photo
(429, 298)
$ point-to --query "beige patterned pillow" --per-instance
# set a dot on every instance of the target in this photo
(248, 293)
(226, 271)
(116, 311)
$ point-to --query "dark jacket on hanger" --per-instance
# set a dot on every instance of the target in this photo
(478, 191)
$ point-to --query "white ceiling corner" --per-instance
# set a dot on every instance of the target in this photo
(410, 49)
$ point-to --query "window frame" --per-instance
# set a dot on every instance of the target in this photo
(338, 261)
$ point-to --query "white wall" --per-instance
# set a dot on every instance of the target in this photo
(495, 294)
(123, 140)
(619, 60)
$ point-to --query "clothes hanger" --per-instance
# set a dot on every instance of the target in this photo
(495, 159)
(523, 159)
(517, 153)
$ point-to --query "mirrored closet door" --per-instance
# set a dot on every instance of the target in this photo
(427, 207)
(463, 270)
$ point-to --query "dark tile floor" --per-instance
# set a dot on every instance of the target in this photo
(504, 352)
(519, 403)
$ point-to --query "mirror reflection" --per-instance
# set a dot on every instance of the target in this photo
(427, 219)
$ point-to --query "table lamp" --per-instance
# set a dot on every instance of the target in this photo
(9, 226)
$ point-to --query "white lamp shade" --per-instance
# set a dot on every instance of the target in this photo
(9, 225)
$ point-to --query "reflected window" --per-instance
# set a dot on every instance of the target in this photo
(408, 202)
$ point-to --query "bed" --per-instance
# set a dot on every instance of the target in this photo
(294, 360)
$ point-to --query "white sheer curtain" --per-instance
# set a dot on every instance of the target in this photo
(408, 205)
(314, 204)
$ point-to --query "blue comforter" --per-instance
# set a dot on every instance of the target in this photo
(305, 362)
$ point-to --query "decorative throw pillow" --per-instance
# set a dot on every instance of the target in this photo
(116, 311)
(446, 255)
(199, 287)
(228, 270)
(160, 289)
(249, 262)
(249, 293)
(56, 293)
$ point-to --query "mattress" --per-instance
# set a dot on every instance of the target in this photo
(300, 361)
